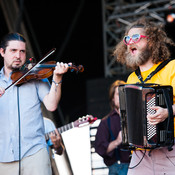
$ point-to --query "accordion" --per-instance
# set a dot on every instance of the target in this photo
(135, 102)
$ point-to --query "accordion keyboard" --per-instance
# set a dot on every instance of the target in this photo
(151, 129)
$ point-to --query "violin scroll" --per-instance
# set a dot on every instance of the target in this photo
(78, 68)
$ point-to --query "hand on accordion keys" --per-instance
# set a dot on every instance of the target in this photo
(160, 115)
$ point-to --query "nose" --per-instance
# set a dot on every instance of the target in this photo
(18, 54)
(131, 41)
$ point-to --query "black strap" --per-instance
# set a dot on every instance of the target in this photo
(170, 123)
(161, 65)
(113, 138)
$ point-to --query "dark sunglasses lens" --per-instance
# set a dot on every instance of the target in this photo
(127, 39)
(135, 37)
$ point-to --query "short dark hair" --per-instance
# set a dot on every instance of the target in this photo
(11, 37)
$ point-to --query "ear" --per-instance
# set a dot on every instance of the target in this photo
(2, 52)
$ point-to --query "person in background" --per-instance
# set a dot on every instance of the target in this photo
(108, 137)
(54, 142)
(144, 48)
(23, 145)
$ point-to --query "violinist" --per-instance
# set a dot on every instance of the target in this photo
(22, 139)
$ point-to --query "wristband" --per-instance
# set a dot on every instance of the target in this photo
(57, 83)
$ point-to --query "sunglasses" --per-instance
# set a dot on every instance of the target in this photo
(135, 38)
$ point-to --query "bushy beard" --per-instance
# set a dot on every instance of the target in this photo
(134, 61)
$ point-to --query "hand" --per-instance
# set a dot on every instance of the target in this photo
(160, 115)
(57, 142)
(2, 91)
(61, 68)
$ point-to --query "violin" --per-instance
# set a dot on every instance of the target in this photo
(41, 71)
(38, 71)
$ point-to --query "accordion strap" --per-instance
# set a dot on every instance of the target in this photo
(161, 65)
(170, 123)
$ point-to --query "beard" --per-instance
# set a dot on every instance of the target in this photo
(14, 67)
(135, 61)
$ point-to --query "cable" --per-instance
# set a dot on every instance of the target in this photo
(19, 123)
(139, 161)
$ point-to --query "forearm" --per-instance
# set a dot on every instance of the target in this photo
(112, 145)
(52, 99)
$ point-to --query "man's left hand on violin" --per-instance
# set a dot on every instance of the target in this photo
(61, 68)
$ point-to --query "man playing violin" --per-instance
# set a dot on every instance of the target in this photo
(22, 139)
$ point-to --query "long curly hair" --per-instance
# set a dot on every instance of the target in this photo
(158, 41)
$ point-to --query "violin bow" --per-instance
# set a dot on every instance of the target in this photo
(46, 56)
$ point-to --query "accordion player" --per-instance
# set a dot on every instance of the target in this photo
(135, 102)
